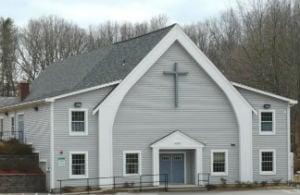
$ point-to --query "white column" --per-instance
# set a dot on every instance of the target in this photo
(245, 145)
(198, 165)
(105, 147)
(155, 166)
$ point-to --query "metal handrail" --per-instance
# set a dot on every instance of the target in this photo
(206, 180)
(7, 135)
(115, 184)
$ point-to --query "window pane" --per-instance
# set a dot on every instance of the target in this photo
(78, 164)
(132, 163)
(78, 116)
(267, 161)
(266, 126)
(266, 116)
(218, 162)
(78, 126)
(21, 122)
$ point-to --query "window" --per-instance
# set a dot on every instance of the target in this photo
(21, 122)
(267, 122)
(12, 125)
(267, 162)
(132, 163)
(219, 162)
(1, 127)
(78, 122)
(78, 164)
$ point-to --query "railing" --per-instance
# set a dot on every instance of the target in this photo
(115, 183)
(7, 135)
(204, 179)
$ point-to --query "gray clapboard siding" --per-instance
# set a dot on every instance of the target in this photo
(277, 141)
(147, 114)
(66, 143)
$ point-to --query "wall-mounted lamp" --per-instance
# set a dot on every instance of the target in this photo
(77, 104)
(232, 145)
(36, 108)
(267, 106)
(6, 113)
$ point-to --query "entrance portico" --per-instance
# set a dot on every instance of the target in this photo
(171, 151)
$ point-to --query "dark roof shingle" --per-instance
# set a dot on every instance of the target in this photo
(94, 68)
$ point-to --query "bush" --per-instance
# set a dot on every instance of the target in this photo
(263, 183)
(276, 182)
(14, 147)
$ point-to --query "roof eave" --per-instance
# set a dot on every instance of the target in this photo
(289, 100)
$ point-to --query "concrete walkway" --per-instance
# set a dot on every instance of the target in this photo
(250, 192)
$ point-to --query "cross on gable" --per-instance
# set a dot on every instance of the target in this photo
(175, 73)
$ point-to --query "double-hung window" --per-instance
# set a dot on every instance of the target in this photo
(267, 162)
(78, 164)
(78, 122)
(131, 163)
(267, 122)
(219, 160)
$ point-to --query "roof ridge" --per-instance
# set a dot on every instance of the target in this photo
(154, 31)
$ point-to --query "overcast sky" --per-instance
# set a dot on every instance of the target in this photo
(91, 12)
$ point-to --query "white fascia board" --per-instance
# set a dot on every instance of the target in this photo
(109, 107)
(290, 101)
(52, 99)
(82, 91)
(21, 104)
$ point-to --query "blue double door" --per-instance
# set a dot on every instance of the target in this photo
(172, 164)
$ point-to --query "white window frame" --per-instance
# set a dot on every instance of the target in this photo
(273, 122)
(274, 162)
(86, 175)
(139, 161)
(85, 122)
(212, 160)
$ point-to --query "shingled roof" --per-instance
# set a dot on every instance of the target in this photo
(94, 68)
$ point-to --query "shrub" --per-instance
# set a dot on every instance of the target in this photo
(210, 187)
(14, 147)
(263, 183)
(238, 184)
(276, 182)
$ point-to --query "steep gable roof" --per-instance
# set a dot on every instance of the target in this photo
(98, 67)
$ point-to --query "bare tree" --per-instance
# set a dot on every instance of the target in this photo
(8, 44)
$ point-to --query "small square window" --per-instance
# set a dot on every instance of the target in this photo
(132, 163)
(219, 160)
(78, 122)
(267, 126)
(267, 160)
(78, 165)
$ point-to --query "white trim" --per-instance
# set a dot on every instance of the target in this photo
(51, 99)
(274, 162)
(52, 179)
(140, 162)
(177, 140)
(21, 104)
(108, 109)
(290, 101)
(86, 130)
(212, 160)
(184, 161)
(86, 160)
(273, 132)
(289, 143)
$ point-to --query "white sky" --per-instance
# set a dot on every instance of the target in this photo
(92, 12)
